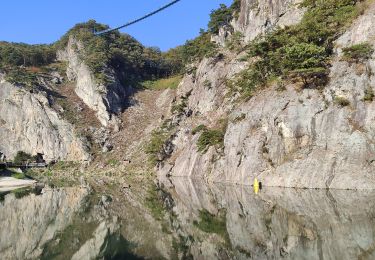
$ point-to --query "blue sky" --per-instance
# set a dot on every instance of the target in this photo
(45, 21)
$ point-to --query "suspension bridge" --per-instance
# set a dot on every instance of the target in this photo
(138, 19)
(23, 165)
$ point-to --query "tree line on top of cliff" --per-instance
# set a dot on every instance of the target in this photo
(129, 58)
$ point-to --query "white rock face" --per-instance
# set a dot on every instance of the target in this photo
(286, 138)
(108, 100)
(29, 124)
(29, 223)
(260, 16)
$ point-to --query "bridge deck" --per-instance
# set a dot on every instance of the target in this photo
(22, 165)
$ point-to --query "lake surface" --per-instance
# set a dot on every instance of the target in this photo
(188, 219)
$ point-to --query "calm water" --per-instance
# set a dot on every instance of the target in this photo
(189, 220)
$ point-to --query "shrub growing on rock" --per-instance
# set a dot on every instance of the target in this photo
(369, 95)
(22, 157)
(155, 148)
(342, 101)
(302, 50)
(210, 137)
(198, 129)
(358, 52)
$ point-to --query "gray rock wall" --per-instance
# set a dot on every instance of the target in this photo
(257, 17)
(29, 124)
(290, 138)
(106, 100)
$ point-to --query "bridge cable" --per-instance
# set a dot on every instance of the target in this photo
(139, 19)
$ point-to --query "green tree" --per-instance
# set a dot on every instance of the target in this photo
(220, 17)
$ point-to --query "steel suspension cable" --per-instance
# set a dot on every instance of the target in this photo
(139, 19)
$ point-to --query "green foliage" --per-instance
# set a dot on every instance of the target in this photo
(113, 162)
(302, 56)
(358, 52)
(369, 95)
(210, 223)
(302, 51)
(155, 203)
(131, 60)
(207, 83)
(179, 107)
(22, 157)
(22, 77)
(198, 48)
(223, 16)
(17, 54)
(198, 129)
(235, 42)
(201, 46)
(311, 77)
(155, 146)
(64, 165)
(22, 192)
(341, 101)
(193, 50)
(210, 137)
(180, 245)
(220, 17)
(18, 175)
(171, 82)
(239, 118)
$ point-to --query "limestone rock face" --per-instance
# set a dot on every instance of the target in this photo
(106, 100)
(29, 124)
(29, 223)
(260, 16)
(288, 138)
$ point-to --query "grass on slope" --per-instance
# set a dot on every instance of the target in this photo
(165, 83)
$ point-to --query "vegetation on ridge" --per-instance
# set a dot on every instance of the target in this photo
(223, 16)
(302, 51)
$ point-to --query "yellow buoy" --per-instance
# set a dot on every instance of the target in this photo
(256, 186)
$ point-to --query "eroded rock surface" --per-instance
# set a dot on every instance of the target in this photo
(107, 100)
(289, 138)
(29, 124)
(257, 17)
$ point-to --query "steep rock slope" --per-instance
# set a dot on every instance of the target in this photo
(290, 138)
(258, 17)
(105, 100)
(30, 124)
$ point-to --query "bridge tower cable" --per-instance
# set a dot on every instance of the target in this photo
(139, 19)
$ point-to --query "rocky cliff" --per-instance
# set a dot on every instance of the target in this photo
(30, 124)
(106, 100)
(290, 138)
(259, 17)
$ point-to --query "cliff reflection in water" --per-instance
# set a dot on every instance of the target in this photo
(200, 222)
(288, 223)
